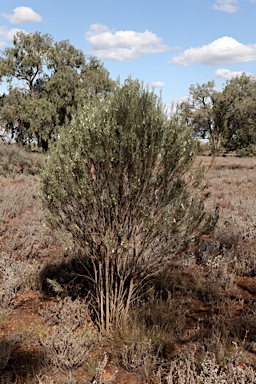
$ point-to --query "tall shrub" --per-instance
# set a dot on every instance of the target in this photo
(117, 181)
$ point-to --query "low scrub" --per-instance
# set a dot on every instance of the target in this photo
(15, 160)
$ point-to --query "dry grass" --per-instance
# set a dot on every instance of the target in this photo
(232, 185)
(15, 160)
(24, 234)
(197, 324)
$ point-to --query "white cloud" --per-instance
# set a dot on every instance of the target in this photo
(23, 15)
(7, 34)
(122, 45)
(156, 84)
(223, 51)
(226, 74)
(230, 6)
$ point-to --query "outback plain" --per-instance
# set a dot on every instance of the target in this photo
(196, 325)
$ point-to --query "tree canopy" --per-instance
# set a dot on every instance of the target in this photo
(226, 118)
(47, 81)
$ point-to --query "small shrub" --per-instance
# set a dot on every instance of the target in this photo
(185, 370)
(67, 350)
(118, 180)
(68, 345)
(67, 313)
(13, 276)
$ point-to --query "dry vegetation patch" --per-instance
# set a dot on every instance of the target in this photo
(196, 325)
(15, 160)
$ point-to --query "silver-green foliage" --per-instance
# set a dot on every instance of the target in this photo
(226, 118)
(46, 82)
(117, 180)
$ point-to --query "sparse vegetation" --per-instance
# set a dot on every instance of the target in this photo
(195, 325)
(120, 272)
(15, 161)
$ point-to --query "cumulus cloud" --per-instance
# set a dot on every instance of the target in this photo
(7, 34)
(223, 51)
(156, 84)
(122, 45)
(23, 15)
(229, 6)
(226, 74)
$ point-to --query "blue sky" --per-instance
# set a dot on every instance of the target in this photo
(166, 44)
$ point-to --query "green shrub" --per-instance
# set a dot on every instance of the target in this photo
(117, 180)
(250, 150)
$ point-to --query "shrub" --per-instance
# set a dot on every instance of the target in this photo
(13, 275)
(185, 371)
(68, 345)
(117, 179)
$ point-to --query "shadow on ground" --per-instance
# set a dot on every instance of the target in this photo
(18, 363)
(71, 277)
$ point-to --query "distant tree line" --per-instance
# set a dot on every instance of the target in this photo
(47, 81)
(227, 118)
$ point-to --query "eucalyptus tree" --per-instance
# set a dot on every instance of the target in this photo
(46, 81)
(25, 61)
(226, 118)
(241, 122)
(202, 113)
